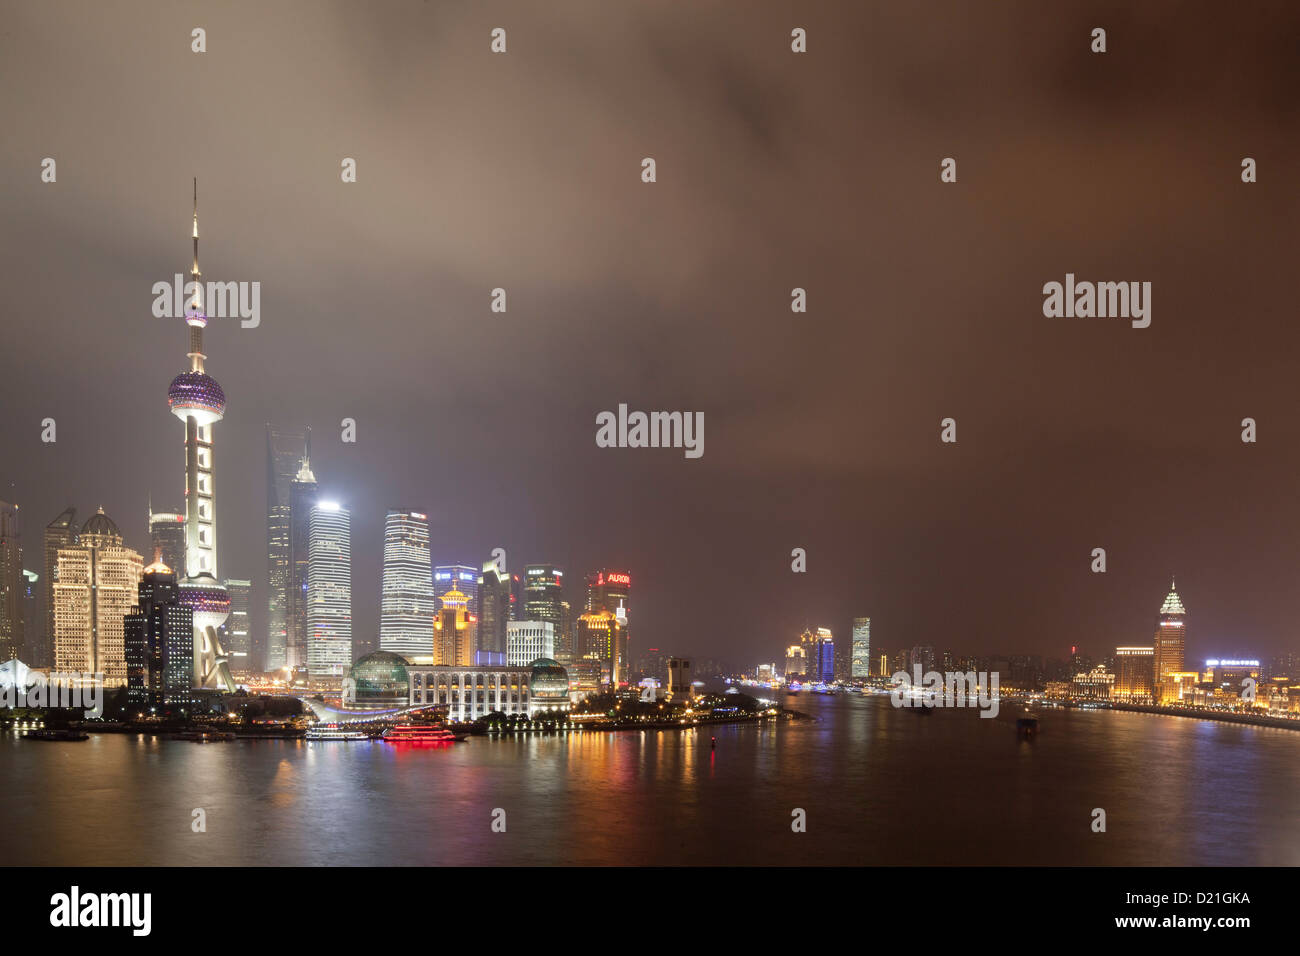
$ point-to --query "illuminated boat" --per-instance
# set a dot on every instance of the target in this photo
(335, 732)
(57, 734)
(420, 734)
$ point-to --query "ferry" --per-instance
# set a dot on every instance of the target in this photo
(335, 732)
(56, 735)
(420, 734)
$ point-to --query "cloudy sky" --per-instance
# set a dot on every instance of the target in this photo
(775, 170)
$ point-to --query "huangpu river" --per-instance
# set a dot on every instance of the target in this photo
(878, 785)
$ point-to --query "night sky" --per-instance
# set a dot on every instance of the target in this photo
(775, 170)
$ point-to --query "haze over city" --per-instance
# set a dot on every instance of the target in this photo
(774, 173)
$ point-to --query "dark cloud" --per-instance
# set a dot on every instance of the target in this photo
(775, 171)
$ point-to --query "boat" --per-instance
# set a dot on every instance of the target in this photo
(1027, 725)
(335, 732)
(56, 735)
(420, 734)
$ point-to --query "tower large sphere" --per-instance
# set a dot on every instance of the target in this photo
(196, 395)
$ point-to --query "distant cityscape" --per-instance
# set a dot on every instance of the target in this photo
(1155, 674)
(468, 639)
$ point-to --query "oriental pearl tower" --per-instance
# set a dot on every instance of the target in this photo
(197, 400)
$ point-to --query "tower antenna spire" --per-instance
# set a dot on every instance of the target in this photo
(194, 270)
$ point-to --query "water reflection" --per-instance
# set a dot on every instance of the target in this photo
(879, 786)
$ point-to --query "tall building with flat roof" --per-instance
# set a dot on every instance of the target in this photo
(527, 641)
(31, 616)
(235, 636)
(158, 637)
(457, 577)
(495, 610)
(285, 450)
(407, 601)
(12, 583)
(167, 537)
(329, 593)
(1134, 673)
(602, 636)
(608, 591)
(860, 663)
(59, 533)
(543, 597)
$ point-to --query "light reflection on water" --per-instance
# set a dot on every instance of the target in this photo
(880, 786)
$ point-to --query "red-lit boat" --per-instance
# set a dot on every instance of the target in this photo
(420, 734)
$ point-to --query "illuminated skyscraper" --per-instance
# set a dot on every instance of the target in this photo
(198, 400)
(407, 598)
(12, 583)
(495, 609)
(302, 499)
(31, 616)
(167, 537)
(1231, 675)
(1170, 639)
(1133, 674)
(602, 637)
(860, 665)
(285, 451)
(453, 639)
(464, 580)
(608, 591)
(516, 597)
(159, 645)
(329, 593)
(457, 577)
(544, 601)
(235, 636)
(59, 533)
(95, 590)
(819, 654)
(527, 641)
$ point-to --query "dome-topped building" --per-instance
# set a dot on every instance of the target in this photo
(102, 525)
(380, 679)
(548, 686)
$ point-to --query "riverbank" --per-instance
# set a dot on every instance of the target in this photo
(1223, 716)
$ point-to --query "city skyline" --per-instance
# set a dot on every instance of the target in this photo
(1112, 450)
